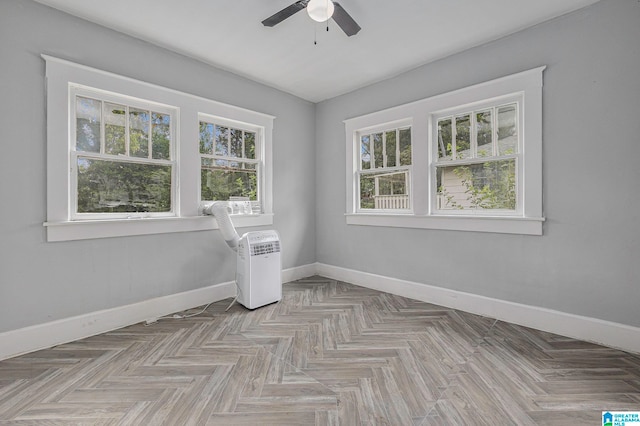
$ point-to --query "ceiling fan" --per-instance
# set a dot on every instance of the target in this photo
(318, 10)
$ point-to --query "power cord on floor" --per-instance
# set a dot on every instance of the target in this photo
(178, 316)
(238, 294)
(182, 316)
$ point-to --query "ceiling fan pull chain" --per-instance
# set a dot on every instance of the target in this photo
(327, 6)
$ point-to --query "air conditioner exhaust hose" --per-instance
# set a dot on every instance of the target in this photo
(220, 212)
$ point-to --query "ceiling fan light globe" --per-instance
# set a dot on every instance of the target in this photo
(320, 10)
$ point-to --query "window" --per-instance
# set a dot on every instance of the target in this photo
(122, 162)
(475, 160)
(230, 162)
(125, 157)
(385, 169)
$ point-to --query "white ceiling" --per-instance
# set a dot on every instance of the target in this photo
(396, 35)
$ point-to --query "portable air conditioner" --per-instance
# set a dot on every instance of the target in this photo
(259, 267)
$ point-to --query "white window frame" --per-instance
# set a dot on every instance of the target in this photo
(128, 102)
(527, 219)
(471, 110)
(397, 126)
(259, 151)
(61, 77)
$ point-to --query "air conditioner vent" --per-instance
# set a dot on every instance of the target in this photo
(265, 248)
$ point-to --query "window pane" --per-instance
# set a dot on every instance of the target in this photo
(138, 133)
(250, 145)
(507, 130)
(161, 136)
(236, 143)
(463, 137)
(114, 129)
(248, 166)
(365, 152)
(88, 124)
(490, 185)
(377, 151)
(390, 143)
(445, 141)
(405, 147)
(206, 138)
(222, 140)
(221, 179)
(484, 133)
(117, 186)
(384, 191)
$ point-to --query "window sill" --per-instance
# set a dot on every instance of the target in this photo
(91, 229)
(495, 224)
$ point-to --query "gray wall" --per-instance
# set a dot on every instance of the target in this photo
(40, 281)
(588, 261)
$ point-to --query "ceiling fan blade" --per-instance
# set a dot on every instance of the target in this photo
(344, 20)
(288, 11)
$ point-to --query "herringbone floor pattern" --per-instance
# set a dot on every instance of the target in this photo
(329, 353)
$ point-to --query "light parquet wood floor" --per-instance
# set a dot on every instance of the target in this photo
(330, 353)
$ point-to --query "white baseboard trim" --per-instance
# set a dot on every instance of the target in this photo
(41, 336)
(299, 272)
(614, 335)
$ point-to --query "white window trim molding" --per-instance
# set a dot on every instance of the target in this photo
(259, 151)
(90, 229)
(434, 163)
(396, 125)
(529, 221)
(128, 102)
(60, 74)
(495, 224)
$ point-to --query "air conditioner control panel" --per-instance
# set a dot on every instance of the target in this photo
(257, 237)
